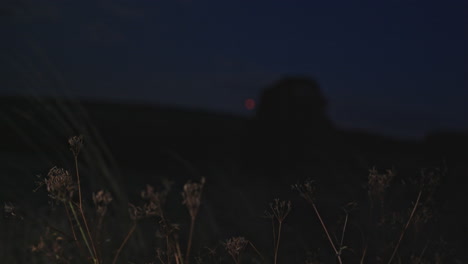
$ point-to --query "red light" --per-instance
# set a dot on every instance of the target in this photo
(249, 104)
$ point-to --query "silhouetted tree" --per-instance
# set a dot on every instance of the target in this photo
(293, 101)
(291, 124)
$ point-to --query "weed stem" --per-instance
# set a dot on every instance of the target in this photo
(326, 232)
(127, 237)
(82, 231)
(189, 243)
(406, 227)
(278, 240)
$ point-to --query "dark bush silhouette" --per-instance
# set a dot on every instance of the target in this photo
(291, 124)
(293, 101)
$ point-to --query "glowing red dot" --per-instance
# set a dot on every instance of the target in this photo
(249, 104)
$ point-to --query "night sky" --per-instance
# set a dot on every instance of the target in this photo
(394, 67)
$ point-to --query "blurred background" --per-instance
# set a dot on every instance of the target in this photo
(252, 95)
(393, 67)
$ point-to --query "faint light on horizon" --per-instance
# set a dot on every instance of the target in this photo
(249, 104)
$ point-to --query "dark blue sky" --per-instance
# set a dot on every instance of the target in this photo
(393, 67)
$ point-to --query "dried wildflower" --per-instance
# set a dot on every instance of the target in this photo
(136, 212)
(151, 209)
(101, 200)
(167, 229)
(9, 210)
(280, 209)
(211, 251)
(306, 190)
(235, 246)
(39, 247)
(428, 180)
(192, 196)
(76, 143)
(155, 201)
(148, 193)
(377, 184)
(50, 245)
(60, 184)
(349, 207)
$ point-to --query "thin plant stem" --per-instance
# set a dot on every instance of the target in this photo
(422, 252)
(364, 244)
(89, 233)
(278, 240)
(178, 254)
(256, 250)
(73, 229)
(71, 224)
(80, 207)
(274, 231)
(364, 253)
(326, 232)
(343, 233)
(406, 227)
(97, 236)
(78, 182)
(168, 250)
(162, 261)
(189, 243)
(82, 231)
(127, 237)
(235, 259)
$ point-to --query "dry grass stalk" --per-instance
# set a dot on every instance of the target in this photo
(60, 185)
(307, 191)
(378, 183)
(62, 188)
(192, 200)
(279, 210)
(235, 246)
(75, 144)
(101, 201)
(406, 227)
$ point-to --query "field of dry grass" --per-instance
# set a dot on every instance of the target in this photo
(84, 229)
(193, 208)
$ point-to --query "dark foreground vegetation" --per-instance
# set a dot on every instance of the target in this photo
(159, 185)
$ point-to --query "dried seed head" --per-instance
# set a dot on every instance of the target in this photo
(351, 206)
(136, 212)
(10, 211)
(39, 247)
(306, 190)
(76, 143)
(280, 209)
(151, 209)
(101, 200)
(378, 183)
(155, 201)
(429, 180)
(192, 196)
(51, 245)
(60, 184)
(160, 254)
(235, 246)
